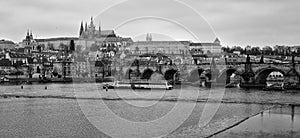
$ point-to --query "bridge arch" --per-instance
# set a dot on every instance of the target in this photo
(226, 74)
(169, 74)
(195, 74)
(147, 73)
(211, 74)
(128, 72)
(262, 74)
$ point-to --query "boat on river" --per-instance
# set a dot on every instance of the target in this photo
(139, 84)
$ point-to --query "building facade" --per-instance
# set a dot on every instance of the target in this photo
(207, 48)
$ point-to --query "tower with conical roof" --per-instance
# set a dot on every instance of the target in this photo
(217, 41)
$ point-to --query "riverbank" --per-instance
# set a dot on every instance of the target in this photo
(17, 81)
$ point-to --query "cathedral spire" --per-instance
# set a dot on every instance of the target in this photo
(149, 37)
(81, 29)
(100, 26)
(86, 26)
(92, 21)
(31, 36)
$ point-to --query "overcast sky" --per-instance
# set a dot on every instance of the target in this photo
(235, 22)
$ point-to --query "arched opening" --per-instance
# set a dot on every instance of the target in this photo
(170, 75)
(211, 74)
(156, 76)
(261, 76)
(147, 74)
(195, 75)
(226, 75)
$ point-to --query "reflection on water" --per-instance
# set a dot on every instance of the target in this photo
(281, 121)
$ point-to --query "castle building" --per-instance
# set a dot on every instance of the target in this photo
(90, 36)
(164, 47)
(207, 48)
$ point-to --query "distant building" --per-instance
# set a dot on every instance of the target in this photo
(17, 59)
(5, 65)
(165, 47)
(89, 37)
(28, 44)
(207, 48)
(6, 44)
(56, 43)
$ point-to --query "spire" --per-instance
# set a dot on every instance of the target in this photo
(149, 37)
(92, 21)
(31, 36)
(86, 26)
(81, 28)
(27, 32)
(100, 26)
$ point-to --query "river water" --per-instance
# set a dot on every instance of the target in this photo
(278, 122)
(86, 110)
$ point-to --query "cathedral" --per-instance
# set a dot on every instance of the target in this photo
(89, 32)
(89, 36)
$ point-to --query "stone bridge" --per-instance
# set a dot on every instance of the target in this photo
(248, 72)
(243, 70)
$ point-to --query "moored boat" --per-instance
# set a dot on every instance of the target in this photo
(139, 84)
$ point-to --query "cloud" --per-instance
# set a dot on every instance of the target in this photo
(235, 22)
